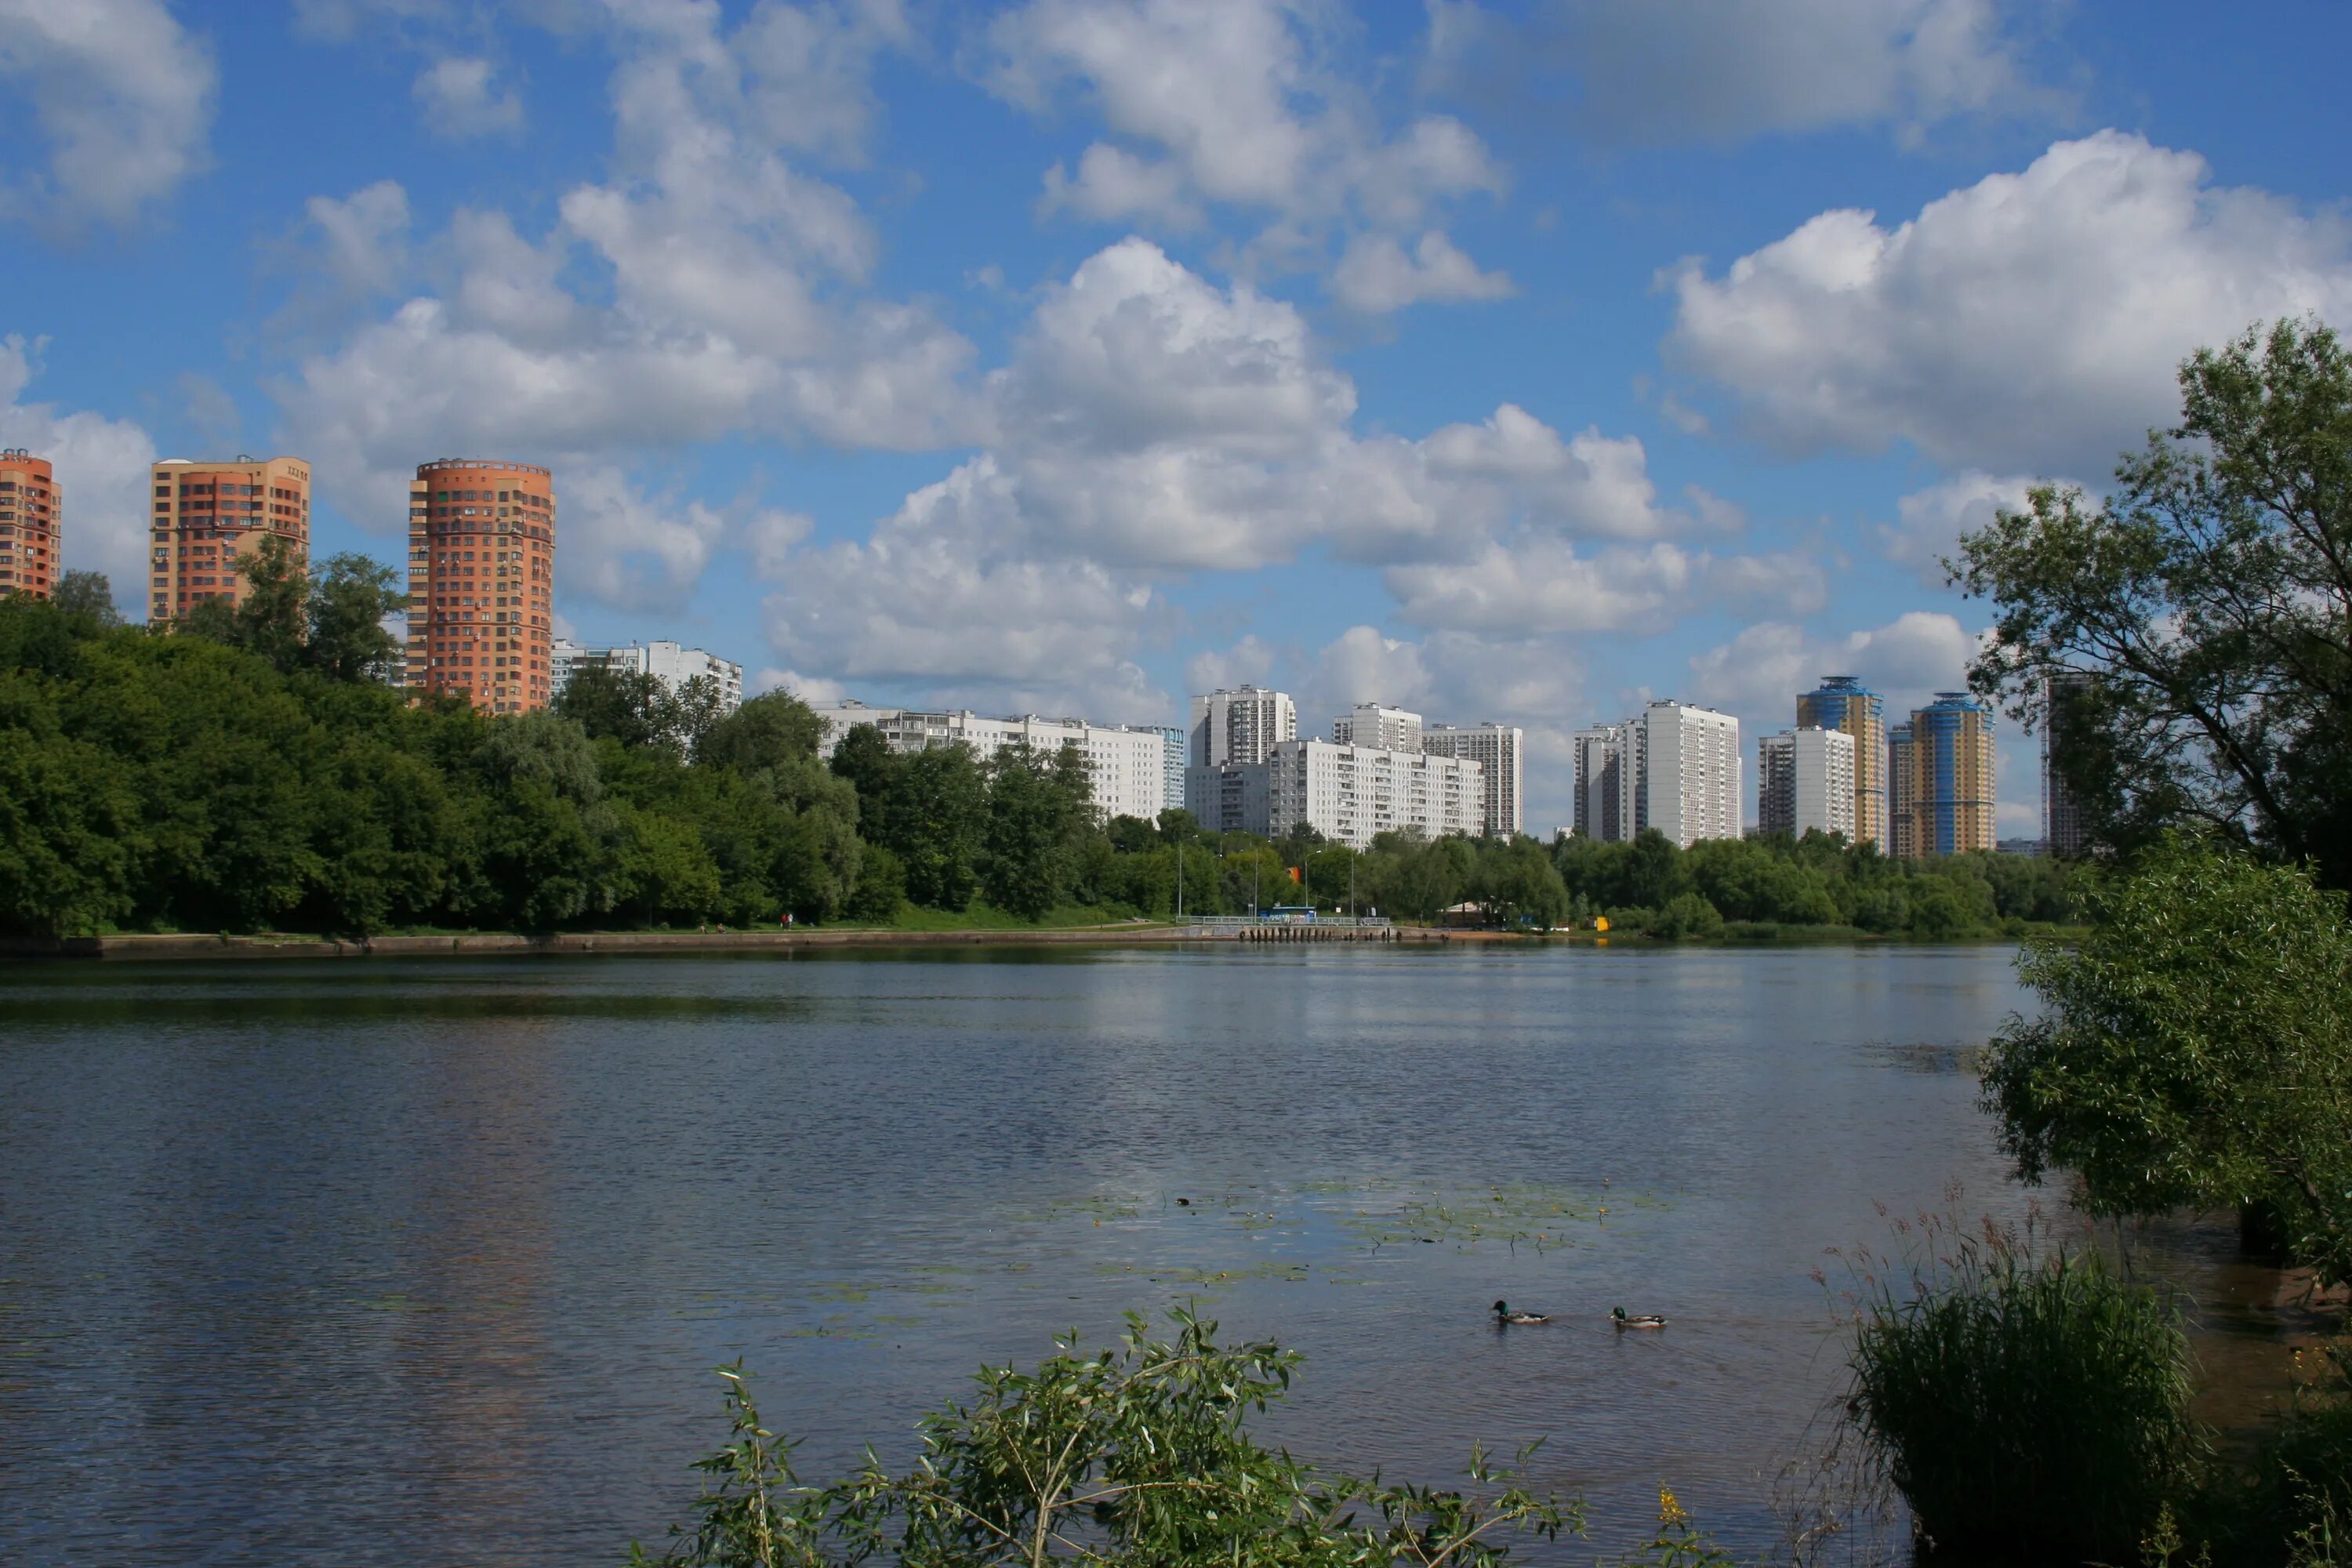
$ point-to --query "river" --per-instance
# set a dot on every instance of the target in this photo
(429, 1262)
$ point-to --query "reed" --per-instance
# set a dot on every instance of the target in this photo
(2027, 1404)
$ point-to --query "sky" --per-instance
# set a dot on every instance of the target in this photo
(1520, 362)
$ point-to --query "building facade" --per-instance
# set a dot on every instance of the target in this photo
(1902, 821)
(1351, 794)
(1496, 748)
(32, 524)
(1241, 725)
(1948, 793)
(208, 518)
(673, 664)
(1805, 782)
(481, 583)
(1601, 791)
(1386, 729)
(1842, 703)
(1689, 767)
(2061, 813)
(1127, 767)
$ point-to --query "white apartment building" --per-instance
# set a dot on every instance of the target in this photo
(673, 664)
(1128, 767)
(1674, 768)
(1349, 794)
(1370, 725)
(1690, 767)
(1805, 782)
(1494, 748)
(1240, 725)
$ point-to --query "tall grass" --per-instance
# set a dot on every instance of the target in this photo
(2024, 1399)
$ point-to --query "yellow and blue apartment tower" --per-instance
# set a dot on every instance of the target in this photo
(1842, 702)
(1945, 792)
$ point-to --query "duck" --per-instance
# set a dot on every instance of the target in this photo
(1503, 1314)
(1618, 1316)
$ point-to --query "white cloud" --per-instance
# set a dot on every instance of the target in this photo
(1233, 105)
(628, 549)
(707, 288)
(101, 465)
(1929, 522)
(1541, 586)
(121, 95)
(1589, 483)
(1377, 275)
(1759, 673)
(2031, 321)
(363, 238)
(1673, 72)
(460, 98)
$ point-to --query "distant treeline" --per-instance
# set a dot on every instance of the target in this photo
(250, 774)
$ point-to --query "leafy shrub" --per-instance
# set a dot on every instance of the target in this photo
(1135, 1456)
(2027, 1404)
(1686, 915)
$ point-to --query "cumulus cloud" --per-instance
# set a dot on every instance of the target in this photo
(460, 97)
(1231, 106)
(121, 96)
(101, 464)
(1759, 673)
(628, 549)
(1929, 522)
(1546, 585)
(706, 288)
(1378, 275)
(1655, 72)
(2031, 321)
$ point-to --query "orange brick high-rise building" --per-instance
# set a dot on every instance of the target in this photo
(207, 517)
(31, 524)
(481, 569)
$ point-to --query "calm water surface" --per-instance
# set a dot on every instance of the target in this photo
(428, 1262)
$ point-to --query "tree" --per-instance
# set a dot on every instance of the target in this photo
(2208, 604)
(349, 600)
(1037, 805)
(765, 732)
(273, 618)
(88, 595)
(2194, 1049)
(632, 706)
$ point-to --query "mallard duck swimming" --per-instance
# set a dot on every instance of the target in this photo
(1503, 1314)
(1618, 1316)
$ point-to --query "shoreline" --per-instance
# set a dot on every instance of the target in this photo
(201, 944)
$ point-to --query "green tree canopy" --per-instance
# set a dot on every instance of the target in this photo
(2203, 612)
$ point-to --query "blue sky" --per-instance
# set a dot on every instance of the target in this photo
(1504, 362)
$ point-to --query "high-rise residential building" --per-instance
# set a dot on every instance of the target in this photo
(481, 577)
(1689, 765)
(1951, 794)
(1351, 794)
(1902, 820)
(1601, 755)
(1496, 748)
(673, 664)
(1174, 739)
(1805, 782)
(1127, 767)
(1241, 725)
(211, 517)
(32, 524)
(1842, 702)
(1674, 767)
(1385, 729)
(2061, 813)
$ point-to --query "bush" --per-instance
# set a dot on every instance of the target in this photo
(1133, 1456)
(1686, 915)
(2024, 1403)
(2298, 1509)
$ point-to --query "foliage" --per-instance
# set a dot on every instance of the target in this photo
(1133, 1456)
(330, 621)
(87, 594)
(2208, 602)
(191, 782)
(2298, 1511)
(2023, 1402)
(2195, 1048)
(640, 710)
(1819, 880)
